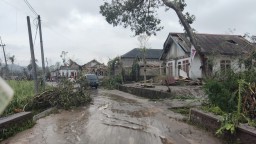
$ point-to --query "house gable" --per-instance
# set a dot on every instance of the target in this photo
(173, 49)
(93, 64)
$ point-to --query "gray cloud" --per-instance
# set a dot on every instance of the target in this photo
(77, 27)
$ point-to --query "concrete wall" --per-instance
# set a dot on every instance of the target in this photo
(150, 71)
(234, 62)
(155, 71)
(147, 93)
(127, 62)
(244, 134)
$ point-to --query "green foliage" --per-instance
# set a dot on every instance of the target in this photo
(18, 127)
(113, 65)
(213, 109)
(181, 110)
(67, 95)
(228, 124)
(135, 73)
(141, 16)
(219, 95)
(23, 91)
(112, 82)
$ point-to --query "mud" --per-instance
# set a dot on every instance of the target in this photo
(114, 117)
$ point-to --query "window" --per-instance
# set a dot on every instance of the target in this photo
(185, 66)
(170, 69)
(225, 65)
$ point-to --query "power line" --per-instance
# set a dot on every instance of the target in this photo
(15, 7)
(30, 7)
(35, 34)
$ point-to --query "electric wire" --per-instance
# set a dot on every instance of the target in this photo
(30, 7)
(35, 35)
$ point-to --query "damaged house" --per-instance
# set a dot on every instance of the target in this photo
(153, 62)
(95, 67)
(220, 53)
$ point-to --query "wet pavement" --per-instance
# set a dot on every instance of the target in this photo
(114, 117)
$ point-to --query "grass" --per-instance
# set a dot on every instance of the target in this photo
(181, 110)
(184, 97)
(23, 92)
(213, 109)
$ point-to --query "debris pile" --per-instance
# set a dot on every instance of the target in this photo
(61, 97)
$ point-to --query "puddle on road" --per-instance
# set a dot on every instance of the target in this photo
(120, 99)
(146, 112)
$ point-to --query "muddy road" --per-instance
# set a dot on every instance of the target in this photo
(113, 117)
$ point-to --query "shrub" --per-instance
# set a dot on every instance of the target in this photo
(112, 82)
(66, 95)
(220, 95)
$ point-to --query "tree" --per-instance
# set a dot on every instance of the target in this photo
(143, 40)
(30, 67)
(63, 56)
(141, 17)
(12, 58)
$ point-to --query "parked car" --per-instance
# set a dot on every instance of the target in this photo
(92, 80)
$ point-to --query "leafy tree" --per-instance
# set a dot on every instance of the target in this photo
(12, 58)
(141, 16)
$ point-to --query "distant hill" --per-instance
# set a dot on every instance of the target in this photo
(14, 68)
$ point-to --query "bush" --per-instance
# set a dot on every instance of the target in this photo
(222, 88)
(112, 82)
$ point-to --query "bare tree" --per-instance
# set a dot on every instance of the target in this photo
(63, 56)
(143, 42)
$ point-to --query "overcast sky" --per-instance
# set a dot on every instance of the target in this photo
(76, 26)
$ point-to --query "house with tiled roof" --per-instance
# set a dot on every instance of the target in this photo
(71, 70)
(153, 62)
(95, 67)
(220, 53)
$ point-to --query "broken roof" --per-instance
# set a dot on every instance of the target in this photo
(211, 43)
(93, 63)
(137, 53)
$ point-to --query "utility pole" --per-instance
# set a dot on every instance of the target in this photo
(6, 67)
(42, 50)
(32, 55)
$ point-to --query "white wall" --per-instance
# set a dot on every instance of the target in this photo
(195, 71)
(175, 51)
(68, 72)
(234, 63)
